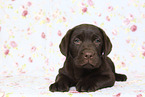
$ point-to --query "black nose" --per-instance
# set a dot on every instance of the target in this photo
(87, 54)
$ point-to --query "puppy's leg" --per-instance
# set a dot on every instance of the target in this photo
(120, 77)
(61, 84)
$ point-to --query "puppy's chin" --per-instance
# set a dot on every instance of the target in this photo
(88, 66)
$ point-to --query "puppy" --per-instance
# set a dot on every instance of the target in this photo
(86, 66)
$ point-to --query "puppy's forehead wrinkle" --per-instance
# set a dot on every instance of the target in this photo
(77, 34)
(87, 30)
(86, 35)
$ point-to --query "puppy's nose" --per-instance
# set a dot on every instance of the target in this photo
(88, 54)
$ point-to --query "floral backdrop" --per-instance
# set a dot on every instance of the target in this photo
(31, 30)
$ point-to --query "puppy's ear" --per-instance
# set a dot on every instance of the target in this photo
(65, 43)
(107, 45)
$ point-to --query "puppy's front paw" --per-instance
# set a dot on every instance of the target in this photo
(59, 87)
(86, 86)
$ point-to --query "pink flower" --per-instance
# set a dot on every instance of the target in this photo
(22, 56)
(131, 17)
(59, 33)
(0, 28)
(95, 23)
(64, 19)
(47, 20)
(114, 33)
(28, 29)
(133, 28)
(128, 40)
(83, 4)
(33, 49)
(123, 64)
(51, 68)
(7, 52)
(110, 8)
(90, 2)
(30, 59)
(143, 15)
(37, 18)
(72, 10)
(46, 78)
(17, 64)
(139, 95)
(13, 44)
(29, 4)
(50, 44)
(23, 6)
(84, 9)
(117, 95)
(47, 61)
(107, 18)
(132, 55)
(43, 35)
(99, 14)
(126, 21)
(25, 12)
(21, 71)
(143, 47)
(143, 54)
(5, 46)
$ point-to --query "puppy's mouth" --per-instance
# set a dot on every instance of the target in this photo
(87, 63)
(88, 66)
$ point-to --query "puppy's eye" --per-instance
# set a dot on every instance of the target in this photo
(77, 41)
(96, 41)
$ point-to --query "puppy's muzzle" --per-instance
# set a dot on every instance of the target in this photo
(88, 54)
(88, 58)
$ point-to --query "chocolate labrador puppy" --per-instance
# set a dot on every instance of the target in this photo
(86, 66)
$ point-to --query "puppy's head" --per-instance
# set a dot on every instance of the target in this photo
(87, 44)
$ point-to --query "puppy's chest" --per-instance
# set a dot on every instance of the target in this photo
(77, 76)
(80, 74)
